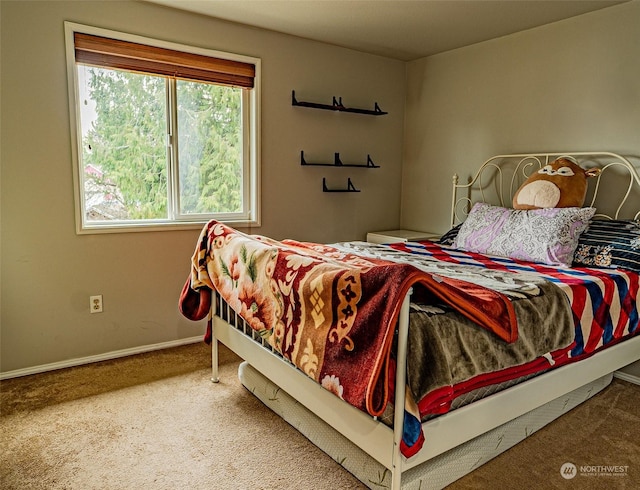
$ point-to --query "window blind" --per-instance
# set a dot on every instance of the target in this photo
(114, 53)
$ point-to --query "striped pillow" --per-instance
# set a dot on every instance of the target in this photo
(449, 238)
(610, 244)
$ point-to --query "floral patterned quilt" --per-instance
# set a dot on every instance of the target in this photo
(330, 312)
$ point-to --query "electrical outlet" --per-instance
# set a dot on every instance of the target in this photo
(95, 304)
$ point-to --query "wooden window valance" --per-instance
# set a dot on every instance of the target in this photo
(114, 53)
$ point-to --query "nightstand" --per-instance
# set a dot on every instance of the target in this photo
(395, 236)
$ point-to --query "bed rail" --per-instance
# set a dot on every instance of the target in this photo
(222, 310)
(378, 440)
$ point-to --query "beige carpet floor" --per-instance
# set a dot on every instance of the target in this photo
(154, 421)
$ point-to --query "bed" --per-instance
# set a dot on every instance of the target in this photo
(412, 364)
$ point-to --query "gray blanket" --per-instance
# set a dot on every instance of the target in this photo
(445, 348)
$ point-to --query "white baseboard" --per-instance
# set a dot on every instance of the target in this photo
(630, 373)
(98, 357)
(631, 378)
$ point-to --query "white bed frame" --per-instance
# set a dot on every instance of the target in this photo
(464, 424)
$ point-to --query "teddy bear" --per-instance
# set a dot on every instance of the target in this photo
(560, 184)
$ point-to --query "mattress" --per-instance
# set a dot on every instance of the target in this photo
(435, 473)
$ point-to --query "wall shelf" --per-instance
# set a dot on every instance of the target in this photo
(350, 187)
(337, 162)
(336, 106)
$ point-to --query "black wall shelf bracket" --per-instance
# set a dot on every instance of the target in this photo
(350, 187)
(337, 162)
(337, 105)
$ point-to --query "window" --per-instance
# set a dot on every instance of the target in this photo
(165, 135)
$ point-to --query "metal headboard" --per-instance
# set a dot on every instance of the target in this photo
(615, 192)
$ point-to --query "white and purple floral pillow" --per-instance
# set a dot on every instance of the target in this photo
(537, 235)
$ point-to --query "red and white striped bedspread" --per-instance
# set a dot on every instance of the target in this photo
(604, 303)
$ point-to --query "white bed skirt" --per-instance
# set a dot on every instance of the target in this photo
(435, 473)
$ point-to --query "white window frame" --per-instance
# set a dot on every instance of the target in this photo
(251, 147)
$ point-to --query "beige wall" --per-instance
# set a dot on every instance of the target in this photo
(571, 85)
(48, 272)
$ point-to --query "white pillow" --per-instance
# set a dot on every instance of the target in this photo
(538, 235)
